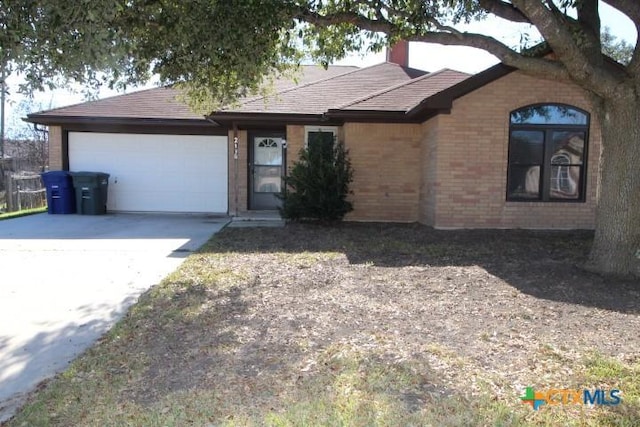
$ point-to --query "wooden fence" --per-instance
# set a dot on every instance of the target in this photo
(24, 192)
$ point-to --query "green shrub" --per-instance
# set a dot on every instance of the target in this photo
(318, 185)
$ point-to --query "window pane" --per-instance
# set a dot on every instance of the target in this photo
(568, 148)
(267, 151)
(267, 179)
(321, 141)
(524, 182)
(526, 147)
(549, 115)
(565, 182)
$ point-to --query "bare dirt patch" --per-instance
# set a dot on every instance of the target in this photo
(503, 302)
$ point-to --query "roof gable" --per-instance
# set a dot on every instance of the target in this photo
(443, 100)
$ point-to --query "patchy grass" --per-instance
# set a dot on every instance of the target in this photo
(624, 375)
(361, 325)
(24, 212)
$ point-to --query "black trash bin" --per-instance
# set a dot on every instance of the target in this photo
(60, 194)
(91, 192)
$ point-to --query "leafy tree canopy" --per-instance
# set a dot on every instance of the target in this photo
(222, 49)
(51, 42)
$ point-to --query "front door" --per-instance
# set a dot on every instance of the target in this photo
(266, 168)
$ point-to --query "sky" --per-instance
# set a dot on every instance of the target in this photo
(429, 57)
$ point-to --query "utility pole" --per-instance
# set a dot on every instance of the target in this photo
(3, 90)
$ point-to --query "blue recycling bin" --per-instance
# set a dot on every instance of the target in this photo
(60, 192)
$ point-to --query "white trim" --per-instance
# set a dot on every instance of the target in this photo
(307, 129)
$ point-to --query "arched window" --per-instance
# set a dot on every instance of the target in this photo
(267, 152)
(547, 153)
(268, 142)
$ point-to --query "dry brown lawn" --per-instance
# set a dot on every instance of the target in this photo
(362, 324)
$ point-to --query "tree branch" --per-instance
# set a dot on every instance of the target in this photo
(589, 22)
(585, 66)
(336, 18)
(550, 23)
(631, 8)
(503, 10)
(634, 65)
(409, 17)
(554, 8)
(573, 41)
(540, 67)
(530, 65)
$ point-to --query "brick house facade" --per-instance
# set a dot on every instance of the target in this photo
(467, 155)
(429, 148)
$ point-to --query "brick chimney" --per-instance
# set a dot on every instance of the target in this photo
(399, 53)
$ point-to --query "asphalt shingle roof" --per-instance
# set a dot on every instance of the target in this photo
(161, 102)
(319, 96)
(385, 87)
(156, 103)
(405, 96)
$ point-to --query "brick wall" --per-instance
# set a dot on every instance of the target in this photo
(386, 159)
(429, 168)
(238, 170)
(55, 148)
(295, 142)
(472, 148)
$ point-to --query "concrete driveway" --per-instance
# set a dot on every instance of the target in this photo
(66, 279)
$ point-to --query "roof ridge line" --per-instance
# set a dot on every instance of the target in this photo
(258, 97)
(316, 82)
(396, 86)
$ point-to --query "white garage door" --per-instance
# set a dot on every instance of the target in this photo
(156, 173)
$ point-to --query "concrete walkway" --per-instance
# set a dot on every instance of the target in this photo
(66, 279)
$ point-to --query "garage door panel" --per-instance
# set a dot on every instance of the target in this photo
(156, 173)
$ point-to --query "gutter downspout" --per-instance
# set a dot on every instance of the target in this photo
(45, 136)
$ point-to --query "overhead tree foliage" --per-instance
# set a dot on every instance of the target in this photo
(50, 42)
(221, 49)
(616, 48)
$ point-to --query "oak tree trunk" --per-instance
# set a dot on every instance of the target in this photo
(616, 246)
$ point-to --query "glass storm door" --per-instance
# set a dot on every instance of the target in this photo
(265, 172)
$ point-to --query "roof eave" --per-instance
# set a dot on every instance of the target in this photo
(224, 118)
(384, 116)
(52, 120)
